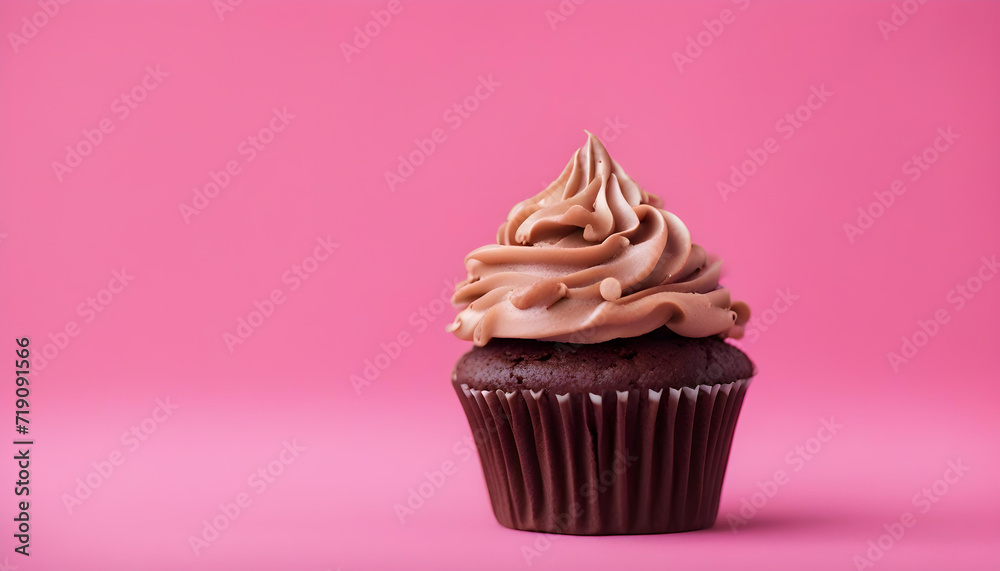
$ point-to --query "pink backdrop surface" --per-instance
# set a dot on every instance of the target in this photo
(166, 170)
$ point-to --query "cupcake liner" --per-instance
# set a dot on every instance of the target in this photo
(620, 462)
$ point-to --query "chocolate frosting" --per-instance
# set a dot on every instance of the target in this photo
(593, 257)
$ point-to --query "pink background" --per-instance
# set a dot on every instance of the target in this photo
(332, 507)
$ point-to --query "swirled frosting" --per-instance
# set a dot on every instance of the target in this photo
(593, 257)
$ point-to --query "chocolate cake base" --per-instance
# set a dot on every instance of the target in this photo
(640, 446)
(657, 360)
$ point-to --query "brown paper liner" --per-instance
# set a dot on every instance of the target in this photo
(622, 462)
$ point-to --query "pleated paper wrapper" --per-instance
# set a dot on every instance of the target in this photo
(620, 462)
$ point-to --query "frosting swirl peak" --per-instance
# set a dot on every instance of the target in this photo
(593, 257)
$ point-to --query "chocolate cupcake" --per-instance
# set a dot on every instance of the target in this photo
(601, 392)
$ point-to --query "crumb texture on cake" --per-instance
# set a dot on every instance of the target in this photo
(655, 361)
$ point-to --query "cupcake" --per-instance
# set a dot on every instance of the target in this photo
(600, 390)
